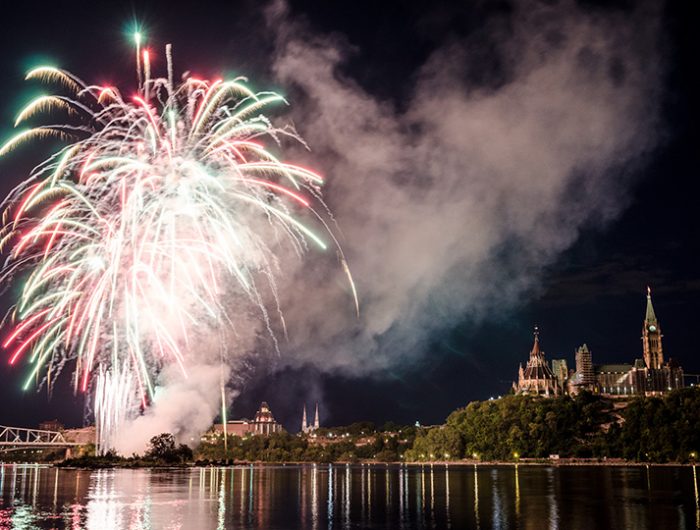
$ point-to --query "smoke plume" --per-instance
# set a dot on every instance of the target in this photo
(452, 203)
(184, 407)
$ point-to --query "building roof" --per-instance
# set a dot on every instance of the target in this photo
(537, 367)
(264, 414)
(650, 317)
(616, 368)
(536, 351)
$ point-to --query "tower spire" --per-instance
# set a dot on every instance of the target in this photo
(651, 337)
(317, 424)
(650, 315)
(536, 352)
(304, 426)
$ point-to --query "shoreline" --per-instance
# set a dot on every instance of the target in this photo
(441, 463)
(551, 463)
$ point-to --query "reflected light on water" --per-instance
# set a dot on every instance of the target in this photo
(517, 496)
(349, 496)
(697, 499)
(330, 496)
(348, 484)
(447, 496)
(476, 496)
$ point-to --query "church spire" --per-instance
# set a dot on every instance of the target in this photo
(317, 424)
(650, 316)
(536, 352)
(304, 426)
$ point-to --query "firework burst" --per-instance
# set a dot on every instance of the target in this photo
(132, 233)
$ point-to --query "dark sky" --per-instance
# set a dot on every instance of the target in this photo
(594, 293)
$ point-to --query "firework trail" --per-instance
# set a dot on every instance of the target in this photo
(131, 235)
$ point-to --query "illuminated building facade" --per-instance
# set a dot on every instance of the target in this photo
(264, 423)
(649, 375)
(306, 427)
(537, 377)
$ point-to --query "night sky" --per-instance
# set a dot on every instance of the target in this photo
(593, 292)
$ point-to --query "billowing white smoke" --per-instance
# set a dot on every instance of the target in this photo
(452, 203)
(184, 407)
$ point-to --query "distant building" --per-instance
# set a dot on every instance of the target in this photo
(561, 371)
(51, 425)
(649, 375)
(584, 366)
(264, 423)
(235, 427)
(537, 377)
(306, 428)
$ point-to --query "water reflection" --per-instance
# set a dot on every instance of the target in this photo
(350, 496)
(697, 499)
(517, 496)
(447, 497)
(476, 496)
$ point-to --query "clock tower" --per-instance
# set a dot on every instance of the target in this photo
(651, 337)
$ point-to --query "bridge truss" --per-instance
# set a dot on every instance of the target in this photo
(17, 438)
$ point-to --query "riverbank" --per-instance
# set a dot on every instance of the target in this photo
(97, 463)
(563, 462)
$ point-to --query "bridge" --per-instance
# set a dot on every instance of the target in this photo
(18, 439)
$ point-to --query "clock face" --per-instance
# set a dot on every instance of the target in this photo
(652, 328)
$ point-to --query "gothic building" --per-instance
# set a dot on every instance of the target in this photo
(307, 428)
(537, 378)
(651, 338)
(649, 375)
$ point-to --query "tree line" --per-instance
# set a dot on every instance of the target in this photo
(352, 443)
(652, 429)
(646, 429)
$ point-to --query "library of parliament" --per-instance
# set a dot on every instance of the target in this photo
(649, 375)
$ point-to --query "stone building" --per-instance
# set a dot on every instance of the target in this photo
(51, 425)
(650, 375)
(264, 423)
(307, 428)
(537, 377)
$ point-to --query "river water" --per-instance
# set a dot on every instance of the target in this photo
(356, 496)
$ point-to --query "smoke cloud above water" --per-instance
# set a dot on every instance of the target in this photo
(451, 204)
